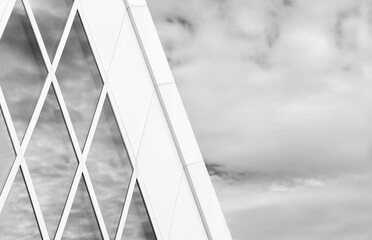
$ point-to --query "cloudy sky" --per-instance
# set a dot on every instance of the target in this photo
(279, 93)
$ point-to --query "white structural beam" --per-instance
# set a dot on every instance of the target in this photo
(178, 123)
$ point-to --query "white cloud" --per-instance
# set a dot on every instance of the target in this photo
(280, 90)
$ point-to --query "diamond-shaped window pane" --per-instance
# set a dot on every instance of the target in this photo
(109, 168)
(79, 79)
(6, 152)
(82, 223)
(17, 219)
(51, 17)
(138, 225)
(22, 70)
(52, 162)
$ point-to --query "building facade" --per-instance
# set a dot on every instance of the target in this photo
(94, 140)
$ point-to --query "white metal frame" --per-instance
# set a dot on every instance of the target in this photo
(189, 154)
(20, 148)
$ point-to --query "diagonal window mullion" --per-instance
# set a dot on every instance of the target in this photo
(81, 156)
(36, 113)
(107, 86)
(9, 121)
(67, 118)
(69, 202)
(81, 167)
(37, 34)
(95, 204)
(88, 180)
(47, 83)
(51, 66)
(34, 200)
(123, 133)
(81, 159)
(6, 15)
(91, 133)
(93, 126)
(9, 182)
(125, 210)
(65, 34)
(50, 63)
(20, 163)
(13, 136)
(75, 143)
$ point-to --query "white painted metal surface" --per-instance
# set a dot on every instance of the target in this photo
(160, 144)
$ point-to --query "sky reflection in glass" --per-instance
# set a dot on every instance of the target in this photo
(51, 16)
(79, 79)
(17, 219)
(50, 155)
(138, 225)
(6, 152)
(51, 161)
(82, 223)
(22, 70)
(109, 168)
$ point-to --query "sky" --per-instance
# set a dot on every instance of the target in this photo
(279, 96)
(278, 93)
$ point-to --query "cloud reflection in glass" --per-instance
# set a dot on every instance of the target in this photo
(50, 156)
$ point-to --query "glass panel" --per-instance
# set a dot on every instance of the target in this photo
(109, 167)
(51, 161)
(51, 17)
(82, 223)
(7, 155)
(138, 225)
(22, 70)
(17, 220)
(79, 79)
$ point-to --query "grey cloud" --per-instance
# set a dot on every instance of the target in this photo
(280, 110)
(290, 101)
(182, 21)
(330, 212)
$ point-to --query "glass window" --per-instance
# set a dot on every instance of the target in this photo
(17, 219)
(82, 223)
(6, 152)
(22, 70)
(109, 168)
(51, 161)
(138, 225)
(51, 17)
(79, 79)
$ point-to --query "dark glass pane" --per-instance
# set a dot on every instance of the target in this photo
(51, 161)
(109, 168)
(7, 155)
(138, 225)
(51, 17)
(22, 70)
(79, 79)
(17, 220)
(82, 223)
